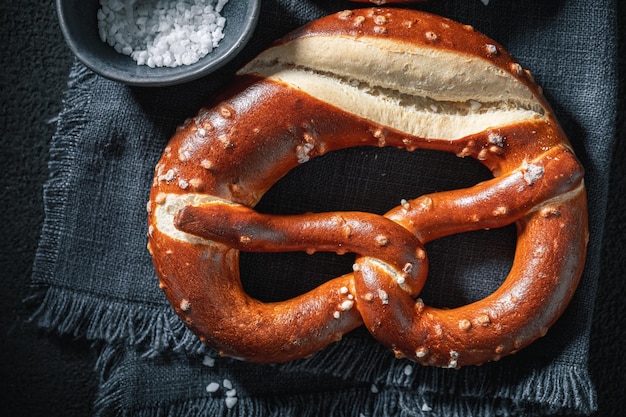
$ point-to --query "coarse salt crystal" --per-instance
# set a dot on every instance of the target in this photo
(230, 402)
(162, 33)
(212, 387)
(208, 361)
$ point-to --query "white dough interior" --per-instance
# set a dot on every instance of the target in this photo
(165, 212)
(418, 90)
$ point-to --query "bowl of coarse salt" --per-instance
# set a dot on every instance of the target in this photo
(156, 42)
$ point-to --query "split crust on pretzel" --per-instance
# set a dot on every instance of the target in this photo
(370, 77)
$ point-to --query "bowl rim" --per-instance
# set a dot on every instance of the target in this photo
(195, 71)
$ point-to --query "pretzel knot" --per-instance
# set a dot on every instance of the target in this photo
(450, 89)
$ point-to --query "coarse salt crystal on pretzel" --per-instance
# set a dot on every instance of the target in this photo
(382, 77)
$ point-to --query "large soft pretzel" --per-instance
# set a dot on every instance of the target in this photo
(381, 77)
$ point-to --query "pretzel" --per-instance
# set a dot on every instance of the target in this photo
(382, 2)
(370, 77)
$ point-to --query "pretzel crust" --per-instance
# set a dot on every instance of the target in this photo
(370, 77)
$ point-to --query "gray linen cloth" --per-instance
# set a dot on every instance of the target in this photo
(94, 277)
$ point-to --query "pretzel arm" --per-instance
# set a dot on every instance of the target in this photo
(365, 234)
(222, 311)
(548, 263)
(494, 203)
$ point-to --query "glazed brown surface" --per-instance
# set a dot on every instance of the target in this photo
(273, 117)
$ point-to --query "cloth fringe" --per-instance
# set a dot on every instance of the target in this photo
(70, 124)
(151, 330)
(427, 396)
(555, 387)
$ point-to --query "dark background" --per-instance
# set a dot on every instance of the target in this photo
(41, 374)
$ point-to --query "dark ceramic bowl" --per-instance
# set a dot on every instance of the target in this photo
(79, 25)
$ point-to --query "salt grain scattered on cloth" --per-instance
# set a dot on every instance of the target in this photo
(162, 33)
